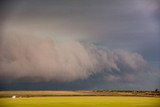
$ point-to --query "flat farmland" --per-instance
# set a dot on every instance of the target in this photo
(92, 98)
(81, 101)
(78, 93)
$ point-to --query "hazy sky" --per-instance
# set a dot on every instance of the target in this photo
(80, 44)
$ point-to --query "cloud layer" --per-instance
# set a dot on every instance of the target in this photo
(42, 58)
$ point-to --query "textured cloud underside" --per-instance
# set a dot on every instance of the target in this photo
(45, 59)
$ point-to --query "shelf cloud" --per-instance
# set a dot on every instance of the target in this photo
(42, 58)
(80, 44)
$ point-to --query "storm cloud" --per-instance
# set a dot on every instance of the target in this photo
(79, 44)
(43, 58)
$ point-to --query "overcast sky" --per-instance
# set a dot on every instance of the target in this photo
(80, 44)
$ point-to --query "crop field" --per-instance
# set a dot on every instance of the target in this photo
(90, 98)
(80, 101)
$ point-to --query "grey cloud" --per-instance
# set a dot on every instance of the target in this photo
(27, 54)
(41, 58)
(117, 24)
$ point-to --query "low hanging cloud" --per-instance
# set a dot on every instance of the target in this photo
(42, 58)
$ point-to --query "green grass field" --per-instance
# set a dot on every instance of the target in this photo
(83, 101)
